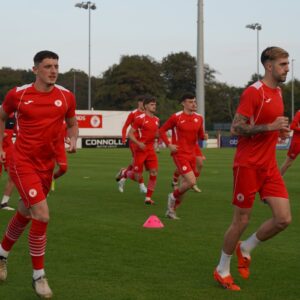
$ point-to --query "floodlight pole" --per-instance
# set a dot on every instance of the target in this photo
(257, 27)
(88, 5)
(200, 90)
(293, 91)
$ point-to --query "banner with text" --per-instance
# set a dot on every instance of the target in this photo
(105, 142)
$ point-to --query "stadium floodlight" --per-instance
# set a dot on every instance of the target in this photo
(293, 91)
(90, 6)
(257, 27)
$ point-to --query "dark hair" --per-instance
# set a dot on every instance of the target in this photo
(272, 53)
(148, 99)
(186, 96)
(40, 56)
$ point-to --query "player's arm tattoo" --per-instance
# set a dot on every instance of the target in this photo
(240, 126)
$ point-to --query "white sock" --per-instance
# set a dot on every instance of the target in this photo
(38, 273)
(5, 199)
(142, 184)
(248, 245)
(223, 267)
(3, 252)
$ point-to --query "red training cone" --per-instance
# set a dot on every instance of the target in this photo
(153, 222)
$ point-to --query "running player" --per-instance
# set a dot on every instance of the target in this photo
(258, 122)
(143, 133)
(294, 149)
(129, 121)
(7, 148)
(40, 110)
(187, 129)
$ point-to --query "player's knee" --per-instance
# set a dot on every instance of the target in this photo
(241, 221)
(42, 217)
(153, 172)
(283, 222)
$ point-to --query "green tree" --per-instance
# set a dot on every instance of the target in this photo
(134, 75)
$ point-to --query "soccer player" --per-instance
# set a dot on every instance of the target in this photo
(7, 148)
(258, 122)
(294, 149)
(40, 110)
(129, 121)
(187, 129)
(143, 133)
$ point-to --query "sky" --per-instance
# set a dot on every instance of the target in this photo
(149, 27)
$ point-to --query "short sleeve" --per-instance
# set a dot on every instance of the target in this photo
(136, 123)
(72, 106)
(248, 102)
(9, 104)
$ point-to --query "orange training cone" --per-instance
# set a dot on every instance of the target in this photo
(153, 222)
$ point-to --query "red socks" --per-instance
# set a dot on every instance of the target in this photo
(14, 230)
(151, 185)
(37, 243)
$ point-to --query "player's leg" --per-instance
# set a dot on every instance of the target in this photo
(38, 236)
(14, 230)
(199, 166)
(7, 193)
(274, 185)
(280, 220)
(175, 180)
(232, 236)
(151, 164)
(243, 199)
(175, 198)
(37, 247)
(151, 186)
(292, 154)
(287, 163)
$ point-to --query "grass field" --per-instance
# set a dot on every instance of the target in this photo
(97, 248)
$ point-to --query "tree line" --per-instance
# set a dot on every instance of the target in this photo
(118, 87)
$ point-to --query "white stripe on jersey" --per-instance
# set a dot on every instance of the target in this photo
(23, 87)
(61, 88)
(257, 85)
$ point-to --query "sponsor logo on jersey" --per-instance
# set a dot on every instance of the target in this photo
(58, 103)
(240, 197)
(182, 121)
(32, 193)
(28, 102)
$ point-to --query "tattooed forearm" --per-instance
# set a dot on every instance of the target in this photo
(241, 127)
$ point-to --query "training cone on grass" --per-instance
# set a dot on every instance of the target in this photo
(153, 222)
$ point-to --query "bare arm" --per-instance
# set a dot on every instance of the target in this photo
(72, 133)
(241, 127)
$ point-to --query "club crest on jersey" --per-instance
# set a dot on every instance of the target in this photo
(58, 103)
(196, 120)
(32, 193)
(240, 197)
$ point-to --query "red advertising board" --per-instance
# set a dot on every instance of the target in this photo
(89, 121)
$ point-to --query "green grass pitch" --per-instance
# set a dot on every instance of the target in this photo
(97, 248)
